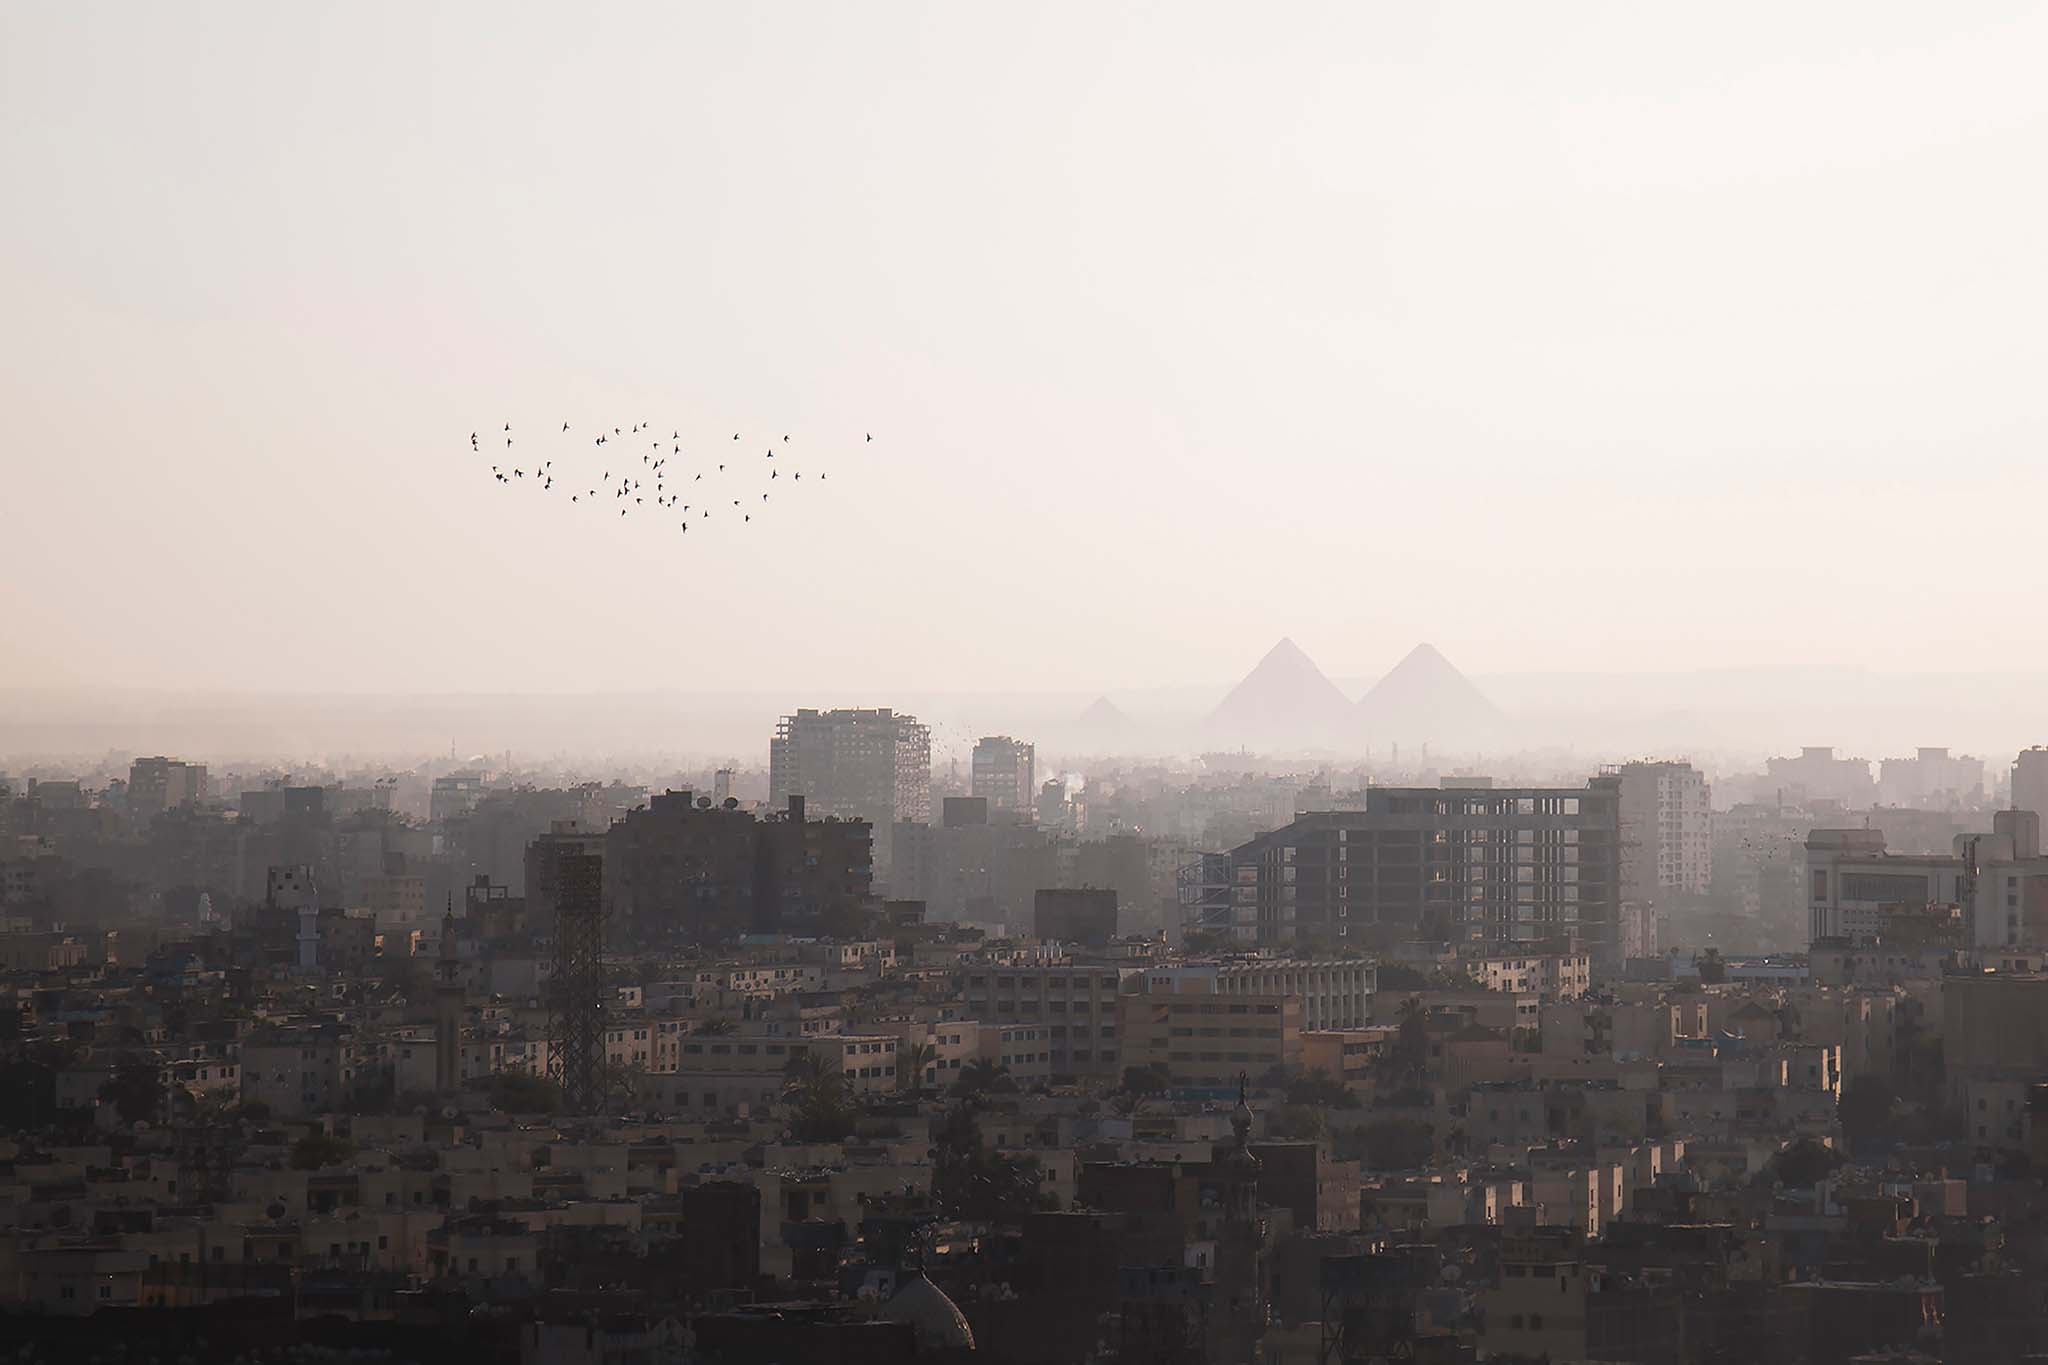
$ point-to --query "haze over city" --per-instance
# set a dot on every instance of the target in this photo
(1083, 684)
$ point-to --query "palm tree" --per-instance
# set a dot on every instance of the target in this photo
(981, 1075)
(911, 1063)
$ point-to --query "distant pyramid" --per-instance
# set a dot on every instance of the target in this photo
(1103, 714)
(1427, 700)
(1286, 700)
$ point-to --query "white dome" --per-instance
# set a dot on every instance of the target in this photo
(937, 1320)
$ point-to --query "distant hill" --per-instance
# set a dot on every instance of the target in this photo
(1285, 701)
(1427, 700)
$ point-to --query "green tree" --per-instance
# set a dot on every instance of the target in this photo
(1398, 1144)
(315, 1150)
(1317, 1087)
(814, 1090)
(517, 1092)
(1297, 1123)
(984, 1077)
(911, 1062)
(1803, 1164)
(1404, 1069)
(1713, 971)
(1146, 1080)
(136, 1090)
(972, 1183)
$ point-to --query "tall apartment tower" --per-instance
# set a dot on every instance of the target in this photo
(2030, 781)
(872, 765)
(1006, 775)
(1504, 866)
(1667, 832)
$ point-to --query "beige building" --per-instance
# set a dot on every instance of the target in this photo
(1208, 1039)
(1074, 1005)
(1554, 976)
(1333, 994)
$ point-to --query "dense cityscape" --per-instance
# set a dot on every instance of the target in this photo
(859, 1055)
(914, 683)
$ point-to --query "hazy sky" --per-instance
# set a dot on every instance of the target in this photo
(1566, 336)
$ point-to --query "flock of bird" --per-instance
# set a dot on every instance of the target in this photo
(701, 485)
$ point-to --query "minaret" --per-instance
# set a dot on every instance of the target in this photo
(1239, 1316)
(447, 1009)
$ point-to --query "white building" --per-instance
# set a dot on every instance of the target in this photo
(1667, 832)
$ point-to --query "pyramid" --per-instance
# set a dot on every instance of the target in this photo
(1285, 700)
(1425, 699)
(1103, 714)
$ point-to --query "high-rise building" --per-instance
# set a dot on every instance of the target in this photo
(159, 784)
(2030, 781)
(872, 765)
(1817, 775)
(684, 868)
(1667, 832)
(1509, 865)
(1006, 775)
(1932, 779)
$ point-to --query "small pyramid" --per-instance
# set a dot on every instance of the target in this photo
(1426, 699)
(1285, 700)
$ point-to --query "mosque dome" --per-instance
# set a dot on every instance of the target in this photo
(936, 1319)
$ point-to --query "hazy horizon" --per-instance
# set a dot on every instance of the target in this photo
(1588, 338)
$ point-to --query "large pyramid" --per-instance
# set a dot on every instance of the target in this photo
(1285, 701)
(1426, 700)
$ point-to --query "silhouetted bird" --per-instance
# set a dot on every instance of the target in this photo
(508, 426)
(735, 435)
(871, 436)
(565, 426)
(774, 473)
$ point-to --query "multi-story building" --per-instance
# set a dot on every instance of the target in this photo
(2030, 781)
(1075, 1004)
(1667, 832)
(1208, 1040)
(1997, 884)
(1554, 976)
(1334, 994)
(1508, 865)
(682, 867)
(1006, 775)
(299, 1072)
(1932, 779)
(159, 784)
(1817, 775)
(454, 794)
(872, 765)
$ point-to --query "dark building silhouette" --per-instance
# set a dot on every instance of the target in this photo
(685, 870)
(1501, 866)
(1085, 915)
(722, 1241)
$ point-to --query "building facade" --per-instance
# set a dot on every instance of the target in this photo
(1508, 865)
(1667, 832)
(872, 765)
(1006, 775)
